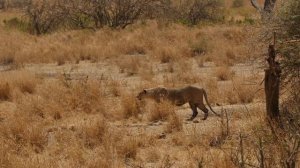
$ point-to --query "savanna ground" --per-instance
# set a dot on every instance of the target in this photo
(68, 98)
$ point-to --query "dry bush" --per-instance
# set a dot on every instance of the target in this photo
(166, 54)
(44, 16)
(14, 81)
(94, 132)
(117, 14)
(153, 155)
(133, 48)
(5, 91)
(230, 54)
(85, 96)
(128, 148)
(114, 87)
(231, 96)
(186, 78)
(55, 100)
(160, 111)
(23, 132)
(245, 92)
(212, 89)
(201, 47)
(129, 65)
(165, 44)
(146, 72)
(174, 123)
(235, 35)
(193, 12)
(224, 73)
(130, 106)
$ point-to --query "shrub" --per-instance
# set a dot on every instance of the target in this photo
(94, 133)
(161, 111)
(166, 54)
(22, 81)
(202, 10)
(201, 47)
(44, 15)
(128, 148)
(130, 107)
(129, 65)
(245, 93)
(224, 73)
(112, 13)
(174, 123)
(288, 32)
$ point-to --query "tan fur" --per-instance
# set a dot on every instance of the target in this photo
(190, 94)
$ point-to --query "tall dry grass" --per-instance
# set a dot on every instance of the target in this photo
(160, 111)
(224, 73)
(92, 123)
(164, 44)
(14, 82)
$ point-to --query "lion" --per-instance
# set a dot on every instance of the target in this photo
(180, 96)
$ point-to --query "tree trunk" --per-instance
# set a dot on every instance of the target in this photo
(272, 83)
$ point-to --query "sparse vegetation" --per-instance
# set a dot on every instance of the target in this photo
(130, 106)
(224, 73)
(161, 112)
(70, 71)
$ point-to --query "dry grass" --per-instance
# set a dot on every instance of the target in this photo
(114, 87)
(17, 81)
(153, 155)
(75, 121)
(212, 89)
(160, 111)
(130, 65)
(245, 92)
(174, 123)
(166, 45)
(128, 148)
(5, 91)
(94, 133)
(130, 106)
(166, 54)
(224, 73)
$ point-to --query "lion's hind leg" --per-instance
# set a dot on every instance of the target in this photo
(202, 107)
(194, 109)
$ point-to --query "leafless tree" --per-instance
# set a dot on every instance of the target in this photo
(44, 15)
(115, 13)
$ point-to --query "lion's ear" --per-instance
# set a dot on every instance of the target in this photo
(145, 91)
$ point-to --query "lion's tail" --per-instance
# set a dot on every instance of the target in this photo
(205, 96)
